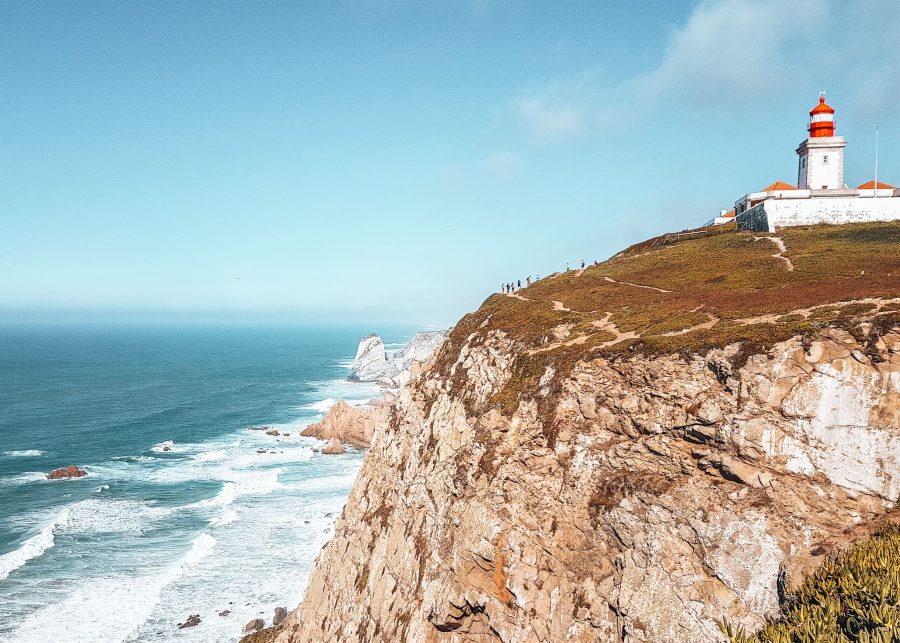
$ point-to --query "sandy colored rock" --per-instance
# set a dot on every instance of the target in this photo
(254, 625)
(350, 424)
(657, 496)
(334, 447)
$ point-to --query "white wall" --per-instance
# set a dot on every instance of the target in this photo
(780, 213)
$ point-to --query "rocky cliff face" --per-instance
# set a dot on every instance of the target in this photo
(555, 475)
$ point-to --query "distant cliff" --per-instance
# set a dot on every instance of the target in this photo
(633, 452)
(373, 364)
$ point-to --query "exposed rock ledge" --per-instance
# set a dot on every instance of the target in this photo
(663, 493)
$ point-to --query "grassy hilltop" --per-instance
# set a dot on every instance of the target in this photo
(671, 296)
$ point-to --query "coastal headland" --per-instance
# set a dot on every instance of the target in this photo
(639, 451)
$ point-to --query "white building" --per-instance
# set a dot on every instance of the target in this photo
(821, 195)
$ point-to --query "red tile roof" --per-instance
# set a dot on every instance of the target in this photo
(870, 185)
(779, 185)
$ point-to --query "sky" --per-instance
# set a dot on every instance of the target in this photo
(397, 160)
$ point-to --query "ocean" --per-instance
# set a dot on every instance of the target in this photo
(185, 510)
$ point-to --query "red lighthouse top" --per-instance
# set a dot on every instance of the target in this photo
(821, 119)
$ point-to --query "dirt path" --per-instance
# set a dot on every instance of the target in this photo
(779, 243)
(628, 283)
(558, 305)
(610, 327)
(517, 296)
(806, 312)
(713, 320)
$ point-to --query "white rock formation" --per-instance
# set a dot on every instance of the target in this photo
(374, 364)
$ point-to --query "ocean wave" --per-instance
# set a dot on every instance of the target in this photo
(26, 453)
(323, 406)
(98, 515)
(25, 478)
(83, 614)
(346, 390)
(168, 446)
(210, 456)
(31, 548)
(248, 484)
(225, 518)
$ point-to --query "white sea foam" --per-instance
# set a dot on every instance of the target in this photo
(243, 484)
(26, 453)
(31, 548)
(210, 456)
(83, 615)
(322, 406)
(25, 478)
(98, 515)
(225, 518)
(170, 447)
(101, 488)
(346, 390)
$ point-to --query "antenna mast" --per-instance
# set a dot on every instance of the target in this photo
(875, 193)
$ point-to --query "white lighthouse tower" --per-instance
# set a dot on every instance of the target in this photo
(821, 165)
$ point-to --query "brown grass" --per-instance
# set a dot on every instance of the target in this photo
(725, 274)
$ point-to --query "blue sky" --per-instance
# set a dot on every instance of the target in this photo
(396, 160)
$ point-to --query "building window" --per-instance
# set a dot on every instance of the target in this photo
(825, 159)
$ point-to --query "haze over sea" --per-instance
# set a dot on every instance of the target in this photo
(184, 511)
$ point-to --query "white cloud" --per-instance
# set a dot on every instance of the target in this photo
(732, 50)
(729, 55)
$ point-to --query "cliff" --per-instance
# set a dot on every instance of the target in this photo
(632, 452)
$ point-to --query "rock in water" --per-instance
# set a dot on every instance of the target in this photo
(192, 621)
(351, 424)
(70, 471)
(371, 361)
(334, 447)
(280, 615)
(224, 612)
(254, 626)
(373, 364)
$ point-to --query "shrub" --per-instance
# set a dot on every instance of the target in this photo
(853, 597)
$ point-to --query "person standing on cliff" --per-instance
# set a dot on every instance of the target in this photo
(567, 267)
(519, 284)
(528, 281)
(582, 264)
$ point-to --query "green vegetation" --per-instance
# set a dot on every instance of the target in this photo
(853, 597)
(669, 296)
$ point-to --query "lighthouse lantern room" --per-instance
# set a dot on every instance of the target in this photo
(821, 163)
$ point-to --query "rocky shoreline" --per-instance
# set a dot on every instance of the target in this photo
(355, 425)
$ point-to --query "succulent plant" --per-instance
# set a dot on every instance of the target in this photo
(854, 597)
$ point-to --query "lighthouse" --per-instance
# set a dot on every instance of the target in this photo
(821, 162)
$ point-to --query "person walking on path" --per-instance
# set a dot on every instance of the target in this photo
(528, 280)
(567, 267)
(582, 264)
(519, 284)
